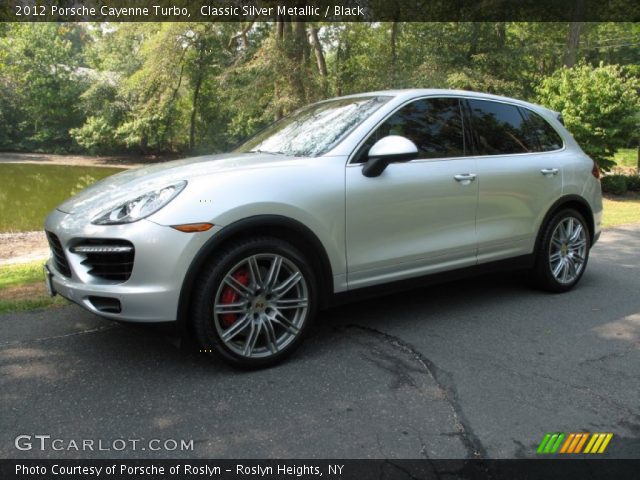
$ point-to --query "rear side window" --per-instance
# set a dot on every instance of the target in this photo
(541, 133)
(499, 129)
(433, 124)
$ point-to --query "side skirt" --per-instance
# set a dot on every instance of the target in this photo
(522, 262)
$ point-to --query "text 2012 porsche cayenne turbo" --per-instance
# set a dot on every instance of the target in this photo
(354, 192)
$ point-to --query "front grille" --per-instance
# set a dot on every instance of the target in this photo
(107, 258)
(59, 258)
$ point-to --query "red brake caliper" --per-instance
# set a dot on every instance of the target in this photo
(229, 295)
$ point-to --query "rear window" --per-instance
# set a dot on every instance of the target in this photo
(499, 129)
(541, 133)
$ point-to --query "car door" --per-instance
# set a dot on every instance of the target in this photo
(417, 217)
(519, 174)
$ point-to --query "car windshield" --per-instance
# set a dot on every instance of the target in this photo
(314, 130)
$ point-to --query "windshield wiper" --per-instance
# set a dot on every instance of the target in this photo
(266, 151)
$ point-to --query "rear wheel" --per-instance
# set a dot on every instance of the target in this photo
(254, 302)
(563, 252)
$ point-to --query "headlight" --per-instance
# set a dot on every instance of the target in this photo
(140, 207)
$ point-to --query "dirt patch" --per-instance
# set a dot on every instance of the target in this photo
(22, 247)
(29, 291)
(84, 160)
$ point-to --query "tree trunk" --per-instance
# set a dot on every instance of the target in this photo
(501, 34)
(194, 106)
(320, 60)
(339, 68)
(573, 41)
(394, 54)
(317, 47)
(473, 42)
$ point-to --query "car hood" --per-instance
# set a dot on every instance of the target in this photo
(114, 190)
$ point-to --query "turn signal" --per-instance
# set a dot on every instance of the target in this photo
(595, 171)
(193, 227)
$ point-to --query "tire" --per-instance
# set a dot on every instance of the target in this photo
(254, 302)
(562, 253)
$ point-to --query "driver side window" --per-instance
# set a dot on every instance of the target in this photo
(433, 124)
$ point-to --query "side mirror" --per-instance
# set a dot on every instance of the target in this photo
(393, 148)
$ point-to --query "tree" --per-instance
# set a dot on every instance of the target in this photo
(599, 107)
(42, 75)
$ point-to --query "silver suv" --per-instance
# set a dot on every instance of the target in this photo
(344, 195)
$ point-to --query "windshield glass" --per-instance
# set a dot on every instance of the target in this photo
(314, 130)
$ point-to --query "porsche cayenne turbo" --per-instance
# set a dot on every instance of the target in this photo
(343, 196)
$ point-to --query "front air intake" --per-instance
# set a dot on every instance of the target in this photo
(107, 258)
(58, 255)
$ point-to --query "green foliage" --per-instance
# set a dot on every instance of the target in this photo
(633, 183)
(616, 184)
(202, 87)
(41, 78)
(599, 106)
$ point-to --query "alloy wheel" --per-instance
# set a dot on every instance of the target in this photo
(567, 250)
(261, 305)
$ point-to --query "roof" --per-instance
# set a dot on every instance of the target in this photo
(423, 92)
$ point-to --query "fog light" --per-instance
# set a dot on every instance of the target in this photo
(102, 249)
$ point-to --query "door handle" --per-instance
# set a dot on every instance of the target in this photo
(465, 178)
(549, 171)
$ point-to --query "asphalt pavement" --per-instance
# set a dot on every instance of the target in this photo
(478, 368)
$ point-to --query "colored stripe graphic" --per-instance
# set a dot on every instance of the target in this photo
(605, 443)
(572, 443)
(543, 443)
(598, 443)
(568, 442)
(551, 442)
(581, 443)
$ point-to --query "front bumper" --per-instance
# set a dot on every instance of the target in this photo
(151, 294)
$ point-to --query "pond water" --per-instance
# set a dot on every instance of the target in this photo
(29, 192)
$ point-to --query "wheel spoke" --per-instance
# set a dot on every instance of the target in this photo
(252, 338)
(283, 321)
(577, 258)
(239, 325)
(238, 307)
(554, 257)
(571, 269)
(282, 304)
(578, 244)
(558, 268)
(555, 241)
(274, 271)
(288, 284)
(568, 228)
(576, 234)
(565, 271)
(254, 271)
(241, 289)
(270, 335)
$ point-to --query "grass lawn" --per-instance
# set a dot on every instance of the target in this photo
(621, 210)
(22, 288)
(29, 192)
(626, 157)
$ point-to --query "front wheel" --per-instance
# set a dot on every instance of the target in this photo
(563, 252)
(254, 302)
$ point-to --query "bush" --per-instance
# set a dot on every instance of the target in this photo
(633, 183)
(599, 106)
(616, 184)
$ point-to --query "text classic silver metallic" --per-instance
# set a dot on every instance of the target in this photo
(359, 191)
